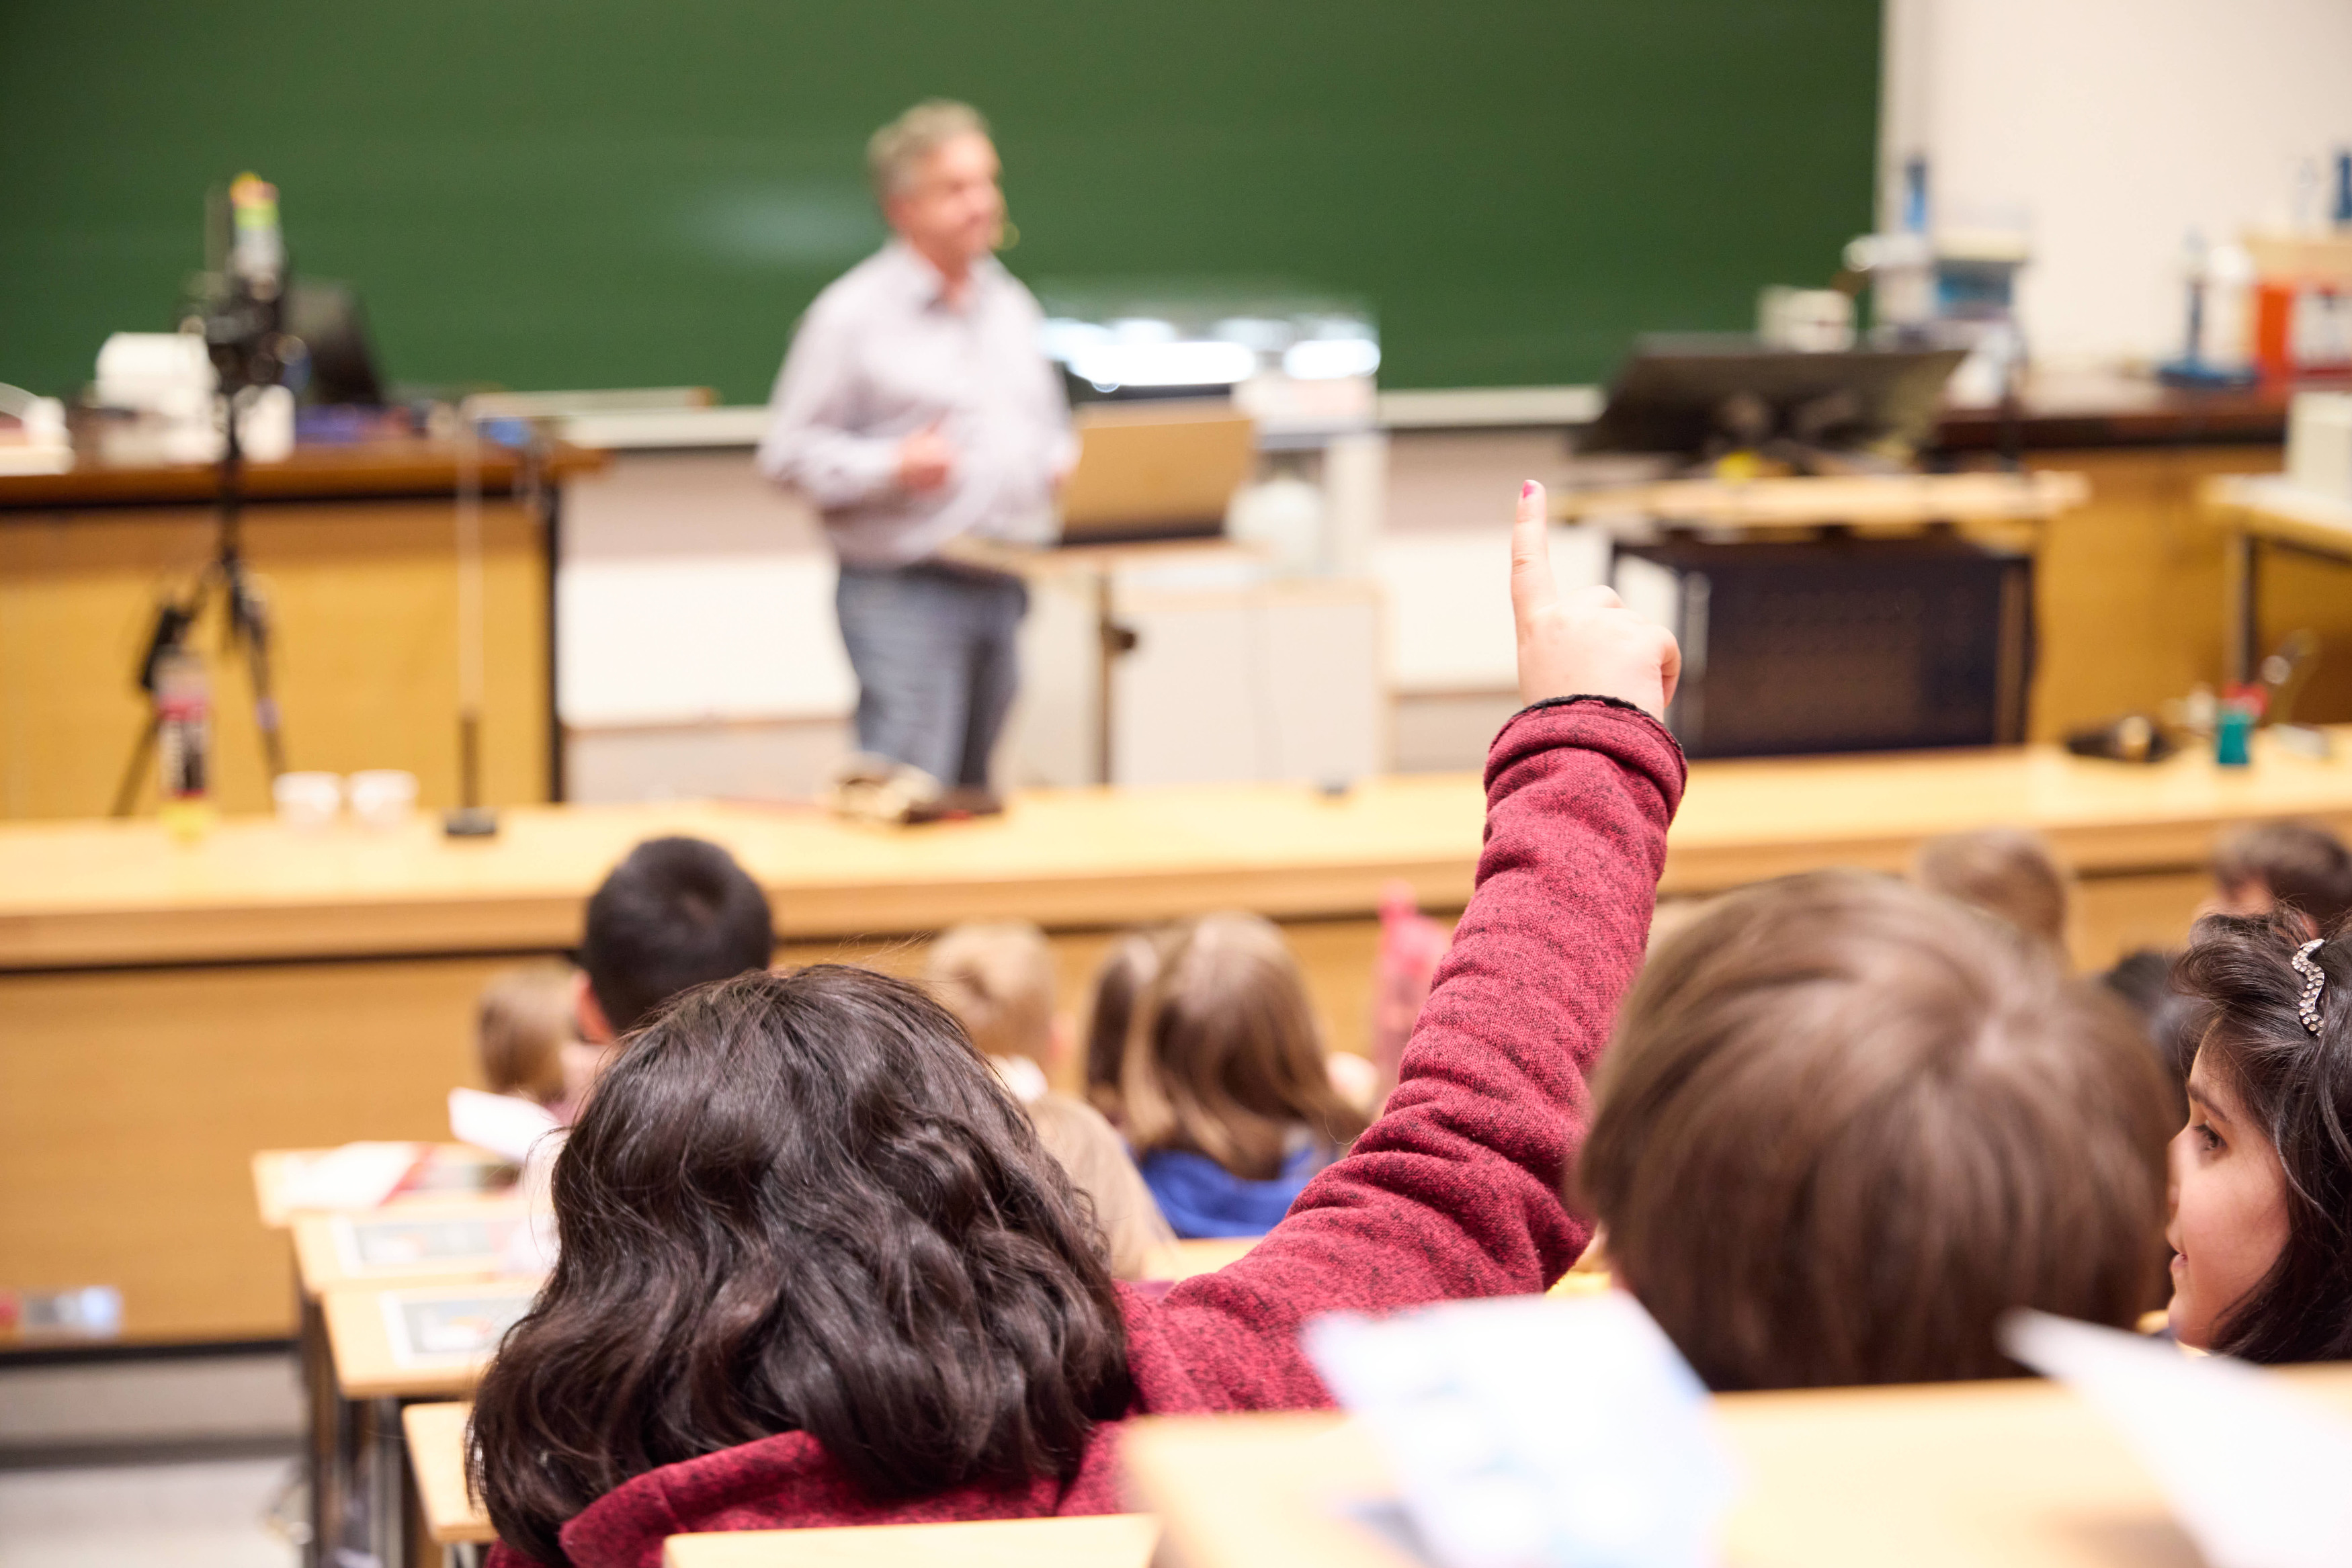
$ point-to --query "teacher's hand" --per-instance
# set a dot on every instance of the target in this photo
(925, 459)
(1585, 642)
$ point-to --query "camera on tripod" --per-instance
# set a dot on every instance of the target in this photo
(240, 309)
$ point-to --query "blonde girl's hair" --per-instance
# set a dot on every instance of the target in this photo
(997, 978)
(1224, 1058)
(521, 1025)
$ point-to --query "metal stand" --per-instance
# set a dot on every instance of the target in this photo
(247, 625)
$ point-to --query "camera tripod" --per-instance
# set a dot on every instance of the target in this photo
(247, 625)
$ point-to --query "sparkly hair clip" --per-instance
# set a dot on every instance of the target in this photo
(2306, 1006)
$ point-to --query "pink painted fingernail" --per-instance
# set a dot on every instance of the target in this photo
(1527, 489)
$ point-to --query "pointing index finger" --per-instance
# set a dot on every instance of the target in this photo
(1532, 587)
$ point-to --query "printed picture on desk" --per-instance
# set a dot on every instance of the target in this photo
(475, 1241)
(443, 1328)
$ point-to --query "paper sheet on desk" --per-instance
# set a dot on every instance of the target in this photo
(356, 1176)
(1529, 1431)
(2260, 1476)
(505, 1124)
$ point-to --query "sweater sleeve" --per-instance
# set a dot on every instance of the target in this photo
(1455, 1191)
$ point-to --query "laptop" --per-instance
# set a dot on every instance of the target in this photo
(1155, 470)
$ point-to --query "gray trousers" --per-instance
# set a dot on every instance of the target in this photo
(936, 661)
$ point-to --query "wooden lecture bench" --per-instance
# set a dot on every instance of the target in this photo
(2018, 1473)
(174, 1007)
(2021, 1473)
(437, 1450)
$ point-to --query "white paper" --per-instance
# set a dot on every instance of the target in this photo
(2259, 1475)
(438, 1329)
(1524, 1431)
(505, 1124)
(357, 1176)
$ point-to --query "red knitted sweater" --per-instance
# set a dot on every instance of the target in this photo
(1453, 1193)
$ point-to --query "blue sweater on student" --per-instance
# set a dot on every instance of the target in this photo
(1200, 1198)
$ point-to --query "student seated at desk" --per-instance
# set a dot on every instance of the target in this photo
(2262, 1265)
(1846, 1125)
(2007, 872)
(997, 979)
(2302, 865)
(818, 1270)
(526, 1034)
(675, 914)
(1130, 966)
(1224, 1090)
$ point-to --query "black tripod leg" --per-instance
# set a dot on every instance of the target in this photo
(142, 757)
(253, 629)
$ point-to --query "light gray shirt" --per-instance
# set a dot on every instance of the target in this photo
(880, 355)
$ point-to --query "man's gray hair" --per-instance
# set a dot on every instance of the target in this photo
(895, 149)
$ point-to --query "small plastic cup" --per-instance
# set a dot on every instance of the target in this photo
(307, 800)
(382, 797)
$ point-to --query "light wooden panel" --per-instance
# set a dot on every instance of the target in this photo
(436, 1453)
(2115, 916)
(2129, 586)
(132, 1102)
(1096, 1541)
(131, 1105)
(362, 596)
(2129, 590)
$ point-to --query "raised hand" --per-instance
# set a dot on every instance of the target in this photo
(1586, 643)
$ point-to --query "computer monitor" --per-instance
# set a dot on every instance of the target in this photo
(328, 318)
(1691, 392)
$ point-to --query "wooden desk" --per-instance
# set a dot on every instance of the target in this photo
(1872, 501)
(1182, 1260)
(102, 893)
(150, 988)
(355, 549)
(2104, 411)
(327, 1247)
(369, 1366)
(459, 1169)
(1106, 1540)
(358, 1470)
(437, 1457)
(2018, 1473)
(2267, 510)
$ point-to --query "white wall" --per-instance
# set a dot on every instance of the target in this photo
(2111, 127)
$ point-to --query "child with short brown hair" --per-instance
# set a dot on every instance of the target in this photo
(2301, 864)
(1845, 1126)
(1224, 1088)
(2007, 872)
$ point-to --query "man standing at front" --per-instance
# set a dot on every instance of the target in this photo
(917, 407)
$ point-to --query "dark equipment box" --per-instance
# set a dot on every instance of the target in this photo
(1840, 643)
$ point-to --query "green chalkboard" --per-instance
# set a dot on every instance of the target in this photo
(544, 194)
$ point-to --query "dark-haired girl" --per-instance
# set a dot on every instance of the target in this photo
(817, 1270)
(2262, 1214)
